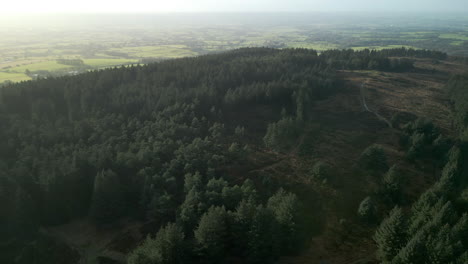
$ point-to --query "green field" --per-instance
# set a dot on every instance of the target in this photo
(14, 77)
(453, 36)
(457, 43)
(45, 65)
(121, 44)
(384, 47)
(319, 46)
(165, 51)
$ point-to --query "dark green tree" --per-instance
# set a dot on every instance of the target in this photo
(214, 190)
(242, 218)
(321, 172)
(392, 184)
(460, 229)
(264, 241)
(231, 196)
(288, 214)
(168, 247)
(414, 252)
(191, 210)
(193, 180)
(161, 208)
(391, 235)
(282, 134)
(374, 158)
(211, 235)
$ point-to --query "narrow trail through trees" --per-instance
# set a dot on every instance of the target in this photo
(364, 104)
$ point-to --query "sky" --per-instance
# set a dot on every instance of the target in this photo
(134, 6)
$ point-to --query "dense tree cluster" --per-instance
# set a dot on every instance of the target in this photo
(423, 140)
(435, 230)
(122, 142)
(375, 60)
(256, 232)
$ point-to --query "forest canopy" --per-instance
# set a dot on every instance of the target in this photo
(153, 142)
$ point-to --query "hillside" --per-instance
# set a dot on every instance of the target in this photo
(257, 155)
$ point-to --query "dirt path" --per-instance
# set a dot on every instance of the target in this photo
(364, 104)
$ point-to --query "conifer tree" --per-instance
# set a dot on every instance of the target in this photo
(392, 184)
(460, 229)
(287, 210)
(264, 245)
(391, 235)
(242, 218)
(168, 247)
(414, 252)
(211, 235)
(190, 210)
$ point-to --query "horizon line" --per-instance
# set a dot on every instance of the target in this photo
(68, 12)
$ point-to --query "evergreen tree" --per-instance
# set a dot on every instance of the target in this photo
(214, 189)
(441, 246)
(462, 259)
(211, 235)
(391, 235)
(264, 245)
(190, 210)
(392, 181)
(287, 210)
(242, 218)
(321, 172)
(191, 181)
(414, 252)
(168, 247)
(248, 190)
(460, 229)
(161, 208)
(231, 196)
(282, 134)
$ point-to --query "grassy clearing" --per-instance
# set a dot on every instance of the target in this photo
(14, 77)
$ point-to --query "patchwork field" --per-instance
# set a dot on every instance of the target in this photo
(101, 45)
(14, 77)
(164, 51)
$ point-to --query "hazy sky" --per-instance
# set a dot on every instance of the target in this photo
(44, 6)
